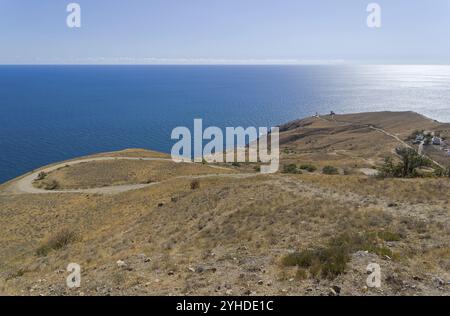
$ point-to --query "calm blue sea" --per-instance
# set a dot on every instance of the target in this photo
(52, 113)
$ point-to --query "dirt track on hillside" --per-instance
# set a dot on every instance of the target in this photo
(25, 185)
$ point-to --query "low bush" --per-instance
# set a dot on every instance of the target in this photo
(327, 262)
(51, 185)
(61, 239)
(41, 176)
(48, 184)
(195, 184)
(330, 170)
(291, 168)
(331, 260)
(308, 167)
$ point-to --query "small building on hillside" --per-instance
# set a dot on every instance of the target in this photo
(419, 138)
(436, 140)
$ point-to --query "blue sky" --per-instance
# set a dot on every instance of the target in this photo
(224, 31)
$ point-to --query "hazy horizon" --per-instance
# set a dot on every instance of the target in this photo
(230, 63)
(266, 32)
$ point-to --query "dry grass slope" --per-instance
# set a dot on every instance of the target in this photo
(282, 234)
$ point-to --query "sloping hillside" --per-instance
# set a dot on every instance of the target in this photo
(232, 231)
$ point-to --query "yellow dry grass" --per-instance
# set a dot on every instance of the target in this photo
(230, 234)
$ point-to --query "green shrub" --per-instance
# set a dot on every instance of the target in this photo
(330, 170)
(291, 168)
(407, 167)
(411, 160)
(327, 262)
(331, 260)
(389, 168)
(440, 172)
(308, 167)
(302, 259)
(41, 176)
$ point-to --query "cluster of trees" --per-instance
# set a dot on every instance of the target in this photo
(407, 167)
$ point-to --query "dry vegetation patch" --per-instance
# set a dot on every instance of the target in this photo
(119, 172)
(57, 241)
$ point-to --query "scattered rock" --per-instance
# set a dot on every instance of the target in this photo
(121, 264)
(361, 253)
(332, 292)
(143, 257)
(439, 282)
(170, 272)
(337, 289)
(199, 269)
(260, 282)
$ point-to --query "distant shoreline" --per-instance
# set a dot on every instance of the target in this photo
(55, 112)
(282, 126)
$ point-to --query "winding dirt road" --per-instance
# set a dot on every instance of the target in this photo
(24, 185)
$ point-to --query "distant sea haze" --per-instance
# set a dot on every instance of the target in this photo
(53, 113)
